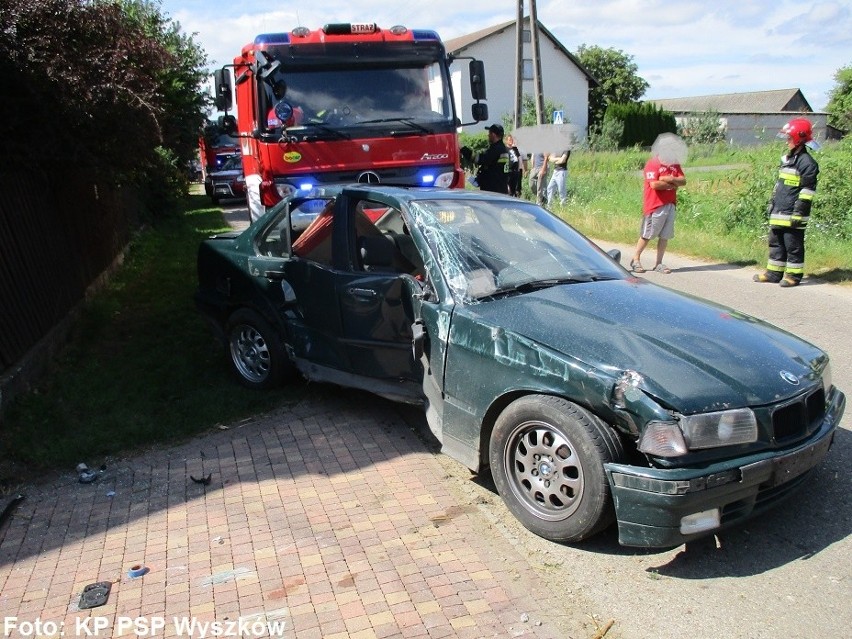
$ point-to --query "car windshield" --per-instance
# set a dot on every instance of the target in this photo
(492, 248)
(398, 89)
(234, 163)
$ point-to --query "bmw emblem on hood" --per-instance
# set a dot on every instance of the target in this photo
(788, 377)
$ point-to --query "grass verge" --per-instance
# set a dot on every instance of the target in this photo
(719, 213)
(142, 367)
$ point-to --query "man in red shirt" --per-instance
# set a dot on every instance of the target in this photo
(658, 210)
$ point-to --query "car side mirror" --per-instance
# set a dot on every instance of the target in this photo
(477, 80)
(227, 124)
(224, 99)
(479, 111)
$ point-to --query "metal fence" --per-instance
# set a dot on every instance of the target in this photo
(58, 233)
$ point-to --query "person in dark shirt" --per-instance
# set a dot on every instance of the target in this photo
(493, 166)
(516, 167)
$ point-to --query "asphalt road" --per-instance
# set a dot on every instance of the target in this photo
(787, 575)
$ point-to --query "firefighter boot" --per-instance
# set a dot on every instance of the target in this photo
(789, 280)
(768, 276)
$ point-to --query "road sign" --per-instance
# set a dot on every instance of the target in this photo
(558, 117)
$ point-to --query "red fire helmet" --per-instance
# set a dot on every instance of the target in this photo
(798, 129)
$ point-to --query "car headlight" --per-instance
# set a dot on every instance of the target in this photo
(721, 428)
(827, 382)
(444, 180)
(693, 432)
(284, 189)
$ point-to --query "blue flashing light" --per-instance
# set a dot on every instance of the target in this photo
(306, 186)
(272, 38)
(427, 178)
(425, 34)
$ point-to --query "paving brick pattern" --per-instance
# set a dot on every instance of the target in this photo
(331, 518)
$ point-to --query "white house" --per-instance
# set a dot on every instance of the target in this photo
(564, 80)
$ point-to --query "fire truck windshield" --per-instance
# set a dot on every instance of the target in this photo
(367, 95)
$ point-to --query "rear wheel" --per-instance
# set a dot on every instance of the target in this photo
(255, 351)
(547, 456)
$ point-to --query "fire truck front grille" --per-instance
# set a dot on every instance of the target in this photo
(397, 176)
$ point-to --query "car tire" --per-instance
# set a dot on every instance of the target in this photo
(255, 351)
(547, 459)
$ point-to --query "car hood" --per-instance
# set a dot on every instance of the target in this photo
(227, 235)
(694, 355)
(226, 175)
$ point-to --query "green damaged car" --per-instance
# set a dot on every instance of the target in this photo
(592, 395)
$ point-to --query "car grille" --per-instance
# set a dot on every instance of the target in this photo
(400, 176)
(799, 417)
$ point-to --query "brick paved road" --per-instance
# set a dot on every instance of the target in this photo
(334, 517)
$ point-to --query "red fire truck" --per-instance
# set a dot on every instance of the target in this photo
(215, 148)
(345, 103)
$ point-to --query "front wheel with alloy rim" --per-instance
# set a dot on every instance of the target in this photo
(255, 352)
(547, 458)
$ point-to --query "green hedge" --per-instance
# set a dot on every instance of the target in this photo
(642, 123)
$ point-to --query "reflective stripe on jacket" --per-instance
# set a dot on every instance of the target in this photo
(794, 191)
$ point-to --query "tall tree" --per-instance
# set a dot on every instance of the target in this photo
(109, 84)
(182, 96)
(840, 100)
(618, 80)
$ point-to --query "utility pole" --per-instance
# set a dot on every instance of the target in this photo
(519, 64)
(539, 91)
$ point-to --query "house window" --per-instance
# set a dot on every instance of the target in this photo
(525, 36)
(528, 69)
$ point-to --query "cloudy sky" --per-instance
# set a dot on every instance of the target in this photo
(685, 48)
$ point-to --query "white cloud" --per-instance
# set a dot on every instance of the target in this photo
(681, 49)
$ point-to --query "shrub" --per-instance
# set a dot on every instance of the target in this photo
(607, 137)
(703, 128)
(114, 83)
(642, 122)
(832, 211)
(476, 142)
(163, 187)
(748, 208)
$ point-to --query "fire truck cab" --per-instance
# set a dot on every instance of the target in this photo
(345, 103)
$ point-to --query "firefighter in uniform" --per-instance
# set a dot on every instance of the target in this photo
(493, 164)
(790, 206)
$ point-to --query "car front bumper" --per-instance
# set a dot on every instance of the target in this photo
(650, 503)
(227, 190)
